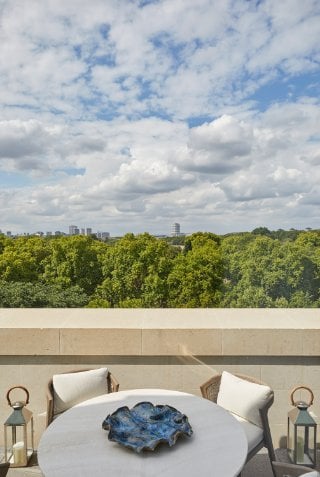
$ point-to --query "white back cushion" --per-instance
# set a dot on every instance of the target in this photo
(242, 397)
(72, 388)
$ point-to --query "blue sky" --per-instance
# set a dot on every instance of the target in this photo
(127, 116)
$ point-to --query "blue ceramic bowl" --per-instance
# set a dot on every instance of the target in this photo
(144, 426)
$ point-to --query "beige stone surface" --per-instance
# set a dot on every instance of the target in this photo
(164, 318)
(29, 341)
(181, 342)
(311, 342)
(266, 342)
(282, 376)
(85, 341)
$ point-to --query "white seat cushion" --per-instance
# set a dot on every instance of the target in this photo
(254, 434)
(242, 397)
(72, 388)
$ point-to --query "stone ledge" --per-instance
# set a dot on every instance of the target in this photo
(160, 332)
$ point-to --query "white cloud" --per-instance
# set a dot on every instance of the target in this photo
(23, 145)
(119, 115)
(220, 147)
(149, 177)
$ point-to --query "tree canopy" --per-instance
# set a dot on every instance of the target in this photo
(258, 269)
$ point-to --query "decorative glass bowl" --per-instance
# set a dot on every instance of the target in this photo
(145, 425)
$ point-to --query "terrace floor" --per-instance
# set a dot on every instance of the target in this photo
(259, 466)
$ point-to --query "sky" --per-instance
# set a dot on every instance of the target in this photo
(130, 115)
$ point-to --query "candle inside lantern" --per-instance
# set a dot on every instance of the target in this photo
(18, 453)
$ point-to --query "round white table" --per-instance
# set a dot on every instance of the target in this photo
(75, 445)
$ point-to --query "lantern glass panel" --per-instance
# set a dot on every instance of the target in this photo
(290, 443)
(312, 444)
(302, 444)
(18, 444)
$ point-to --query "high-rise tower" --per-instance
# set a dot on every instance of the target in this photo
(175, 229)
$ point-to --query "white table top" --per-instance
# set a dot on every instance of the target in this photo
(75, 444)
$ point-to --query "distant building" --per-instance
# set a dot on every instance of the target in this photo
(89, 231)
(175, 230)
(74, 230)
(103, 235)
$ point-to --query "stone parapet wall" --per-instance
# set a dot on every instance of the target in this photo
(166, 348)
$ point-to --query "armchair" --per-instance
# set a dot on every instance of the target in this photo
(68, 389)
(248, 400)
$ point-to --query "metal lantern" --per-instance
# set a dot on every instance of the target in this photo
(18, 432)
(302, 432)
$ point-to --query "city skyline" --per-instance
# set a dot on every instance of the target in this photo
(173, 231)
(82, 230)
(129, 115)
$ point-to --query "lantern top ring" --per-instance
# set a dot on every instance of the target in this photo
(17, 387)
(302, 387)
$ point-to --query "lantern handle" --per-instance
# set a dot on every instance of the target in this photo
(17, 387)
(302, 387)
